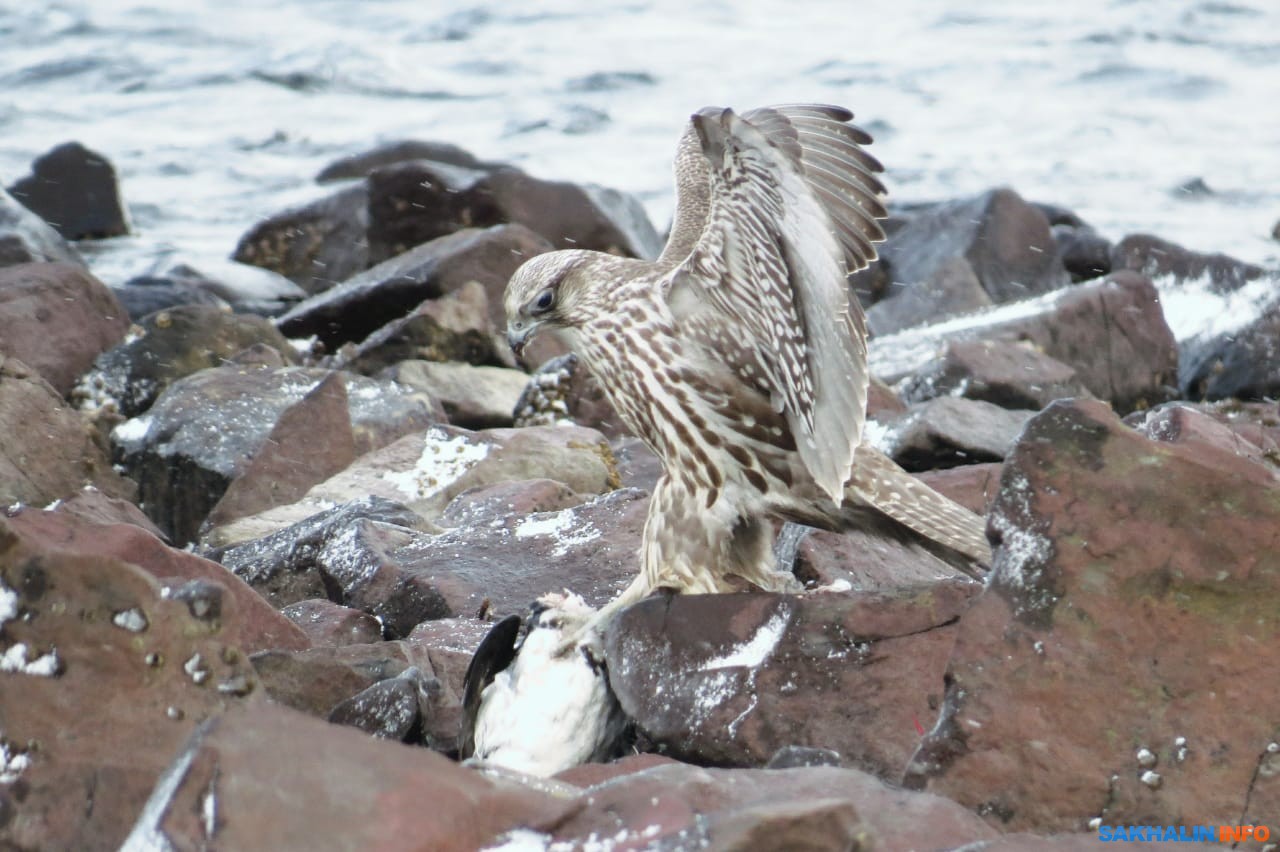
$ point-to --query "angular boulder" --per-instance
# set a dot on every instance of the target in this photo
(49, 451)
(1005, 242)
(103, 678)
(57, 318)
(167, 346)
(26, 238)
(1112, 332)
(1011, 374)
(76, 191)
(948, 431)
(206, 429)
(315, 245)
(472, 397)
(731, 679)
(427, 469)
(359, 306)
(1126, 642)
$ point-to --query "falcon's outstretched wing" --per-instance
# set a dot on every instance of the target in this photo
(781, 205)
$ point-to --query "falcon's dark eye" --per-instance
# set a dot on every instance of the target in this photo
(543, 303)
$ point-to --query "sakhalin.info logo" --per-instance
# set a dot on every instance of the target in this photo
(1189, 833)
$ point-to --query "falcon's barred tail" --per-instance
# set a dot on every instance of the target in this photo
(879, 482)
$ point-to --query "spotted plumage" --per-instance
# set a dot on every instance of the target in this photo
(737, 355)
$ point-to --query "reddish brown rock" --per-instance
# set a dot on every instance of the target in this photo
(1157, 258)
(1006, 373)
(269, 778)
(1120, 663)
(427, 469)
(869, 560)
(93, 506)
(883, 400)
(413, 202)
(315, 680)
(730, 679)
(251, 623)
(328, 624)
(57, 318)
(1181, 422)
(972, 485)
(312, 440)
(504, 499)
(1112, 332)
(434, 657)
(472, 397)
(132, 674)
(948, 431)
(681, 806)
(48, 452)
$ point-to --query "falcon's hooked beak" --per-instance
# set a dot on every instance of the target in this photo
(519, 331)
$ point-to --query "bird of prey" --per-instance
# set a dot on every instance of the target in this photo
(528, 706)
(737, 355)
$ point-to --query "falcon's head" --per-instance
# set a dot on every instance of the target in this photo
(543, 293)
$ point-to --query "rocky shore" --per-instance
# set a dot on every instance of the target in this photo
(256, 519)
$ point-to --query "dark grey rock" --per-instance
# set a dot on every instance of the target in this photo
(167, 346)
(26, 238)
(950, 288)
(362, 164)
(146, 294)
(205, 429)
(1005, 240)
(353, 310)
(75, 190)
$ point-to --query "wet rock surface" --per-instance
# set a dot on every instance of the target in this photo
(458, 326)
(1006, 373)
(996, 239)
(168, 345)
(316, 245)
(114, 677)
(207, 429)
(472, 397)
(413, 202)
